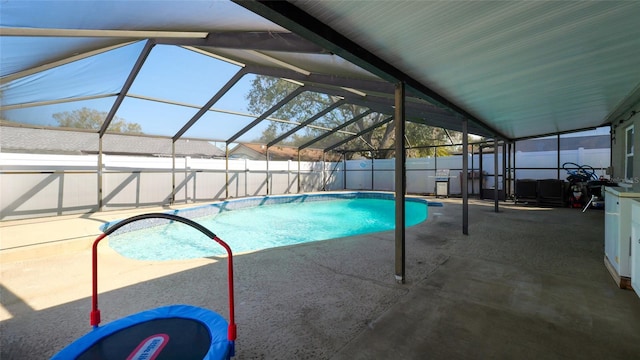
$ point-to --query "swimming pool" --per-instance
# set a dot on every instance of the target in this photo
(252, 224)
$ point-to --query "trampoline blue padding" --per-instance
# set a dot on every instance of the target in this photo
(170, 332)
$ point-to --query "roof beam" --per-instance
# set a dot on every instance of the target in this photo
(254, 40)
(296, 92)
(266, 114)
(415, 108)
(307, 122)
(54, 64)
(335, 85)
(211, 109)
(624, 107)
(426, 113)
(362, 88)
(330, 80)
(335, 130)
(370, 128)
(127, 85)
(210, 103)
(420, 112)
(51, 102)
(298, 21)
(279, 62)
(215, 56)
(129, 34)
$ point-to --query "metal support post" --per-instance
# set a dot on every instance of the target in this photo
(473, 176)
(504, 170)
(299, 185)
(400, 179)
(435, 170)
(226, 171)
(480, 171)
(322, 173)
(509, 177)
(558, 152)
(100, 180)
(344, 173)
(173, 172)
(373, 173)
(495, 176)
(465, 178)
(267, 178)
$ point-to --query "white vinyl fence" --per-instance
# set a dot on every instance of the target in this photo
(35, 185)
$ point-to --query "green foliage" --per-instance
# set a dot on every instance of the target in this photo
(86, 118)
(267, 91)
(419, 135)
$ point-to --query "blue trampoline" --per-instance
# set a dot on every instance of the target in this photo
(169, 332)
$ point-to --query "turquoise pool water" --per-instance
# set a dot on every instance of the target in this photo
(266, 226)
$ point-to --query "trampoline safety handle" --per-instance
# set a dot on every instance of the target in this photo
(95, 318)
(95, 312)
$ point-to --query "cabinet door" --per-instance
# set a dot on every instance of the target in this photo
(612, 229)
(635, 248)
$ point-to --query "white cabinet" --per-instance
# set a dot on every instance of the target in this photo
(635, 246)
(617, 233)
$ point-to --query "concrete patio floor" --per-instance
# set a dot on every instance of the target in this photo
(527, 282)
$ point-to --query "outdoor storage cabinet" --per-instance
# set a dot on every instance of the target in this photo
(617, 233)
(635, 246)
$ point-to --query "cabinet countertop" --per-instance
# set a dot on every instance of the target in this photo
(622, 191)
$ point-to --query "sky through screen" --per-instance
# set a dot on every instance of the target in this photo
(170, 73)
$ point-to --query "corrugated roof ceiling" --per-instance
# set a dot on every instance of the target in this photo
(524, 68)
